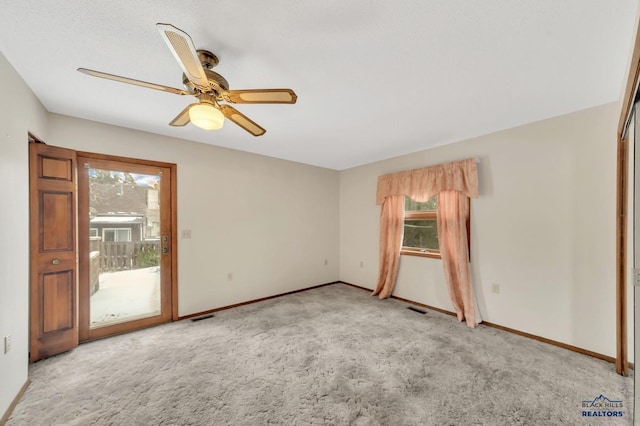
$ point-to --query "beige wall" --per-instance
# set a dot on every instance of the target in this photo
(271, 223)
(543, 228)
(20, 112)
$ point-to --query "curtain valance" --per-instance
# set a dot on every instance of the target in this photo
(421, 184)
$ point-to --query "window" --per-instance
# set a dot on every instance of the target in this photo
(116, 234)
(93, 232)
(421, 228)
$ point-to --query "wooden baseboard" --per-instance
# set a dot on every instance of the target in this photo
(356, 286)
(262, 299)
(552, 342)
(15, 401)
(510, 330)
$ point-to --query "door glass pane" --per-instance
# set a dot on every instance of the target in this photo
(124, 245)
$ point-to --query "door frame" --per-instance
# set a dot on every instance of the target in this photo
(622, 164)
(83, 228)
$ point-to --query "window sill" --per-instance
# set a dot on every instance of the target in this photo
(418, 253)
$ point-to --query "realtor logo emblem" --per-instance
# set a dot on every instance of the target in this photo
(601, 406)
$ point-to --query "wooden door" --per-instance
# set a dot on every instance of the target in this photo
(53, 245)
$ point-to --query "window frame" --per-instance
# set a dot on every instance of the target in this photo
(431, 215)
(414, 251)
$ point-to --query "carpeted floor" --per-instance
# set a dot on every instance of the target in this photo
(328, 356)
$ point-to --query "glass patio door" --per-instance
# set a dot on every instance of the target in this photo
(124, 233)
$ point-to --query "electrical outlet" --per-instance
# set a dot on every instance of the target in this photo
(361, 264)
(495, 288)
(186, 233)
(230, 276)
(326, 262)
(7, 343)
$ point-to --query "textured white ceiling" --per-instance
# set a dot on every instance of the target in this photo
(374, 78)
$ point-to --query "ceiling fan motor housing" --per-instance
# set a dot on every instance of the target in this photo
(216, 80)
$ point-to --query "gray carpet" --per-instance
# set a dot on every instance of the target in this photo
(328, 356)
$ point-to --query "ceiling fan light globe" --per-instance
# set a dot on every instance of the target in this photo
(206, 116)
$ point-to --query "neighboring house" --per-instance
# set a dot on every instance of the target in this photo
(124, 211)
(118, 227)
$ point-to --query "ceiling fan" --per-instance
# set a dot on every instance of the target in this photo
(208, 86)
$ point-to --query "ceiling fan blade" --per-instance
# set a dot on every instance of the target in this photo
(181, 119)
(242, 120)
(261, 96)
(185, 53)
(132, 81)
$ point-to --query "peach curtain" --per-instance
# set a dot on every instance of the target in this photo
(391, 232)
(421, 184)
(453, 211)
(454, 183)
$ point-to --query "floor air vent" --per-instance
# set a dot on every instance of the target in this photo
(202, 318)
(420, 311)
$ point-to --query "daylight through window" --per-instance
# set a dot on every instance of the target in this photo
(421, 228)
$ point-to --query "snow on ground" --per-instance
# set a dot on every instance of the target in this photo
(126, 295)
